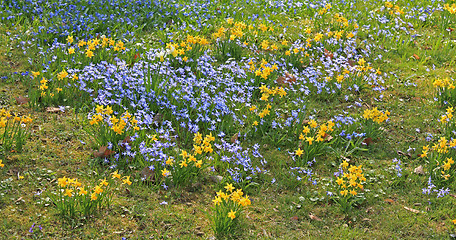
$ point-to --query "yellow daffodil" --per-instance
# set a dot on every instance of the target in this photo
(93, 197)
(229, 187)
(126, 180)
(68, 192)
(70, 39)
(299, 152)
(98, 190)
(165, 173)
(82, 191)
(115, 175)
(104, 182)
(198, 164)
(217, 200)
(232, 214)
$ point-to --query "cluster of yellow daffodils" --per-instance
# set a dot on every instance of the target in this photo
(312, 140)
(231, 194)
(227, 208)
(44, 87)
(237, 31)
(376, 115)
(341, 19)
(265, 94)
(95, 43)
(445, 89)
(201, 146)
(312, 132)
(300, 49)
(442, 146)
(73, 198)
(447, 116)
(118, 124)
(231, 199)
(339, 77)
(446, 166)
(393, 8)
(450, 8)
(362, 66)
(61, 75)
(71, 187)
(444, 83)
(263, 28)
(176, 49)
(440, 158)
(173, 49)
(196, 40)
(264, 70)
(325, 9)
(13, 129)
(350, 180)
(6, 116)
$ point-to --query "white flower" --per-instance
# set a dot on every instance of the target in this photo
(160, 54)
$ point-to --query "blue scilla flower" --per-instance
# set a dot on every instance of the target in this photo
(443, 192)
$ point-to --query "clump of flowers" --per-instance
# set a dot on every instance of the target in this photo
(445, 91)
(372, 119)
(325, 9)
(448, 122)
(184, 53)
(364, 76)
(108, 128)
(264, 110)
(297, 176)
(347, 138)
(440, 161)
(431, 188)
(90, 47)
(36, 231)
(399, 178)
(238, 162)
(73, 199)
(185, 167)
(14, 130)
(54, 88)
(398, 167)
(263, 72)
(270, 121)
(227, 210)
(350, 182)
(296, 56)
(393, 9)
(450, 8)
(227, 41)
(58, 85)
(313, 139)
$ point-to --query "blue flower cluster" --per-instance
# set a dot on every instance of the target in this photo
(244, 163)
(431, 188)
(397, 167)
